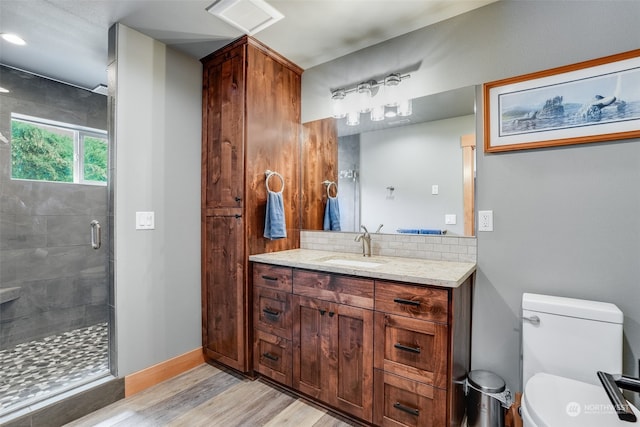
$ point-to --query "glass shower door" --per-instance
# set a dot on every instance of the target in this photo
(54, 246)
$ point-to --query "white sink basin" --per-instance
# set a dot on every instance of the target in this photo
(353, 263)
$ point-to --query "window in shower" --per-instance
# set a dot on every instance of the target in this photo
(45, 150)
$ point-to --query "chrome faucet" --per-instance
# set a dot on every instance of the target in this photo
(365, 238)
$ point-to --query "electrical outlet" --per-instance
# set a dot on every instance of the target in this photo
(485, 220)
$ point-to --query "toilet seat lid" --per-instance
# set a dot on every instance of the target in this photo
(554, 401)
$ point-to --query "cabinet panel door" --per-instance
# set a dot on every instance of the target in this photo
(353, 375)
(224, 132)
(272, 311)
(272, 357)
(419, 302)
(272, 277)
(311, 346)
(224, 297)
(401, 402)
(413, 348)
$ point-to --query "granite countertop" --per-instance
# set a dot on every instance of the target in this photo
(421, 271)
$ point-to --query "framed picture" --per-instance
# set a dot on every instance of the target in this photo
(591, 101)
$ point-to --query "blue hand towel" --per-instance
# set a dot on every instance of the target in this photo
(332, 214)
(274, 224)
(430, 231)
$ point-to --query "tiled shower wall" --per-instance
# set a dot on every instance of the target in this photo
(45, 252)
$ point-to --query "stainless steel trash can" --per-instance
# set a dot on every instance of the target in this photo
(487, 398)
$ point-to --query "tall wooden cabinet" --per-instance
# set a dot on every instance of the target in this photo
(250, 123)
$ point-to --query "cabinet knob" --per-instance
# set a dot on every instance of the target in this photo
(238, 199)
(331, 313)
(322, 312)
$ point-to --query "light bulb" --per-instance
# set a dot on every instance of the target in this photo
(353, 118)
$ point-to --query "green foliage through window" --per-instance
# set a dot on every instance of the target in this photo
(46, 152)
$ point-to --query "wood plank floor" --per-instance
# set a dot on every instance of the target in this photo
(208, 396)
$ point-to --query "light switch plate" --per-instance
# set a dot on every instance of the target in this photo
(434, 189)
(145, 221)
(450, 219)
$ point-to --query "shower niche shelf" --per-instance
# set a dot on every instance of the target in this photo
(9, 294)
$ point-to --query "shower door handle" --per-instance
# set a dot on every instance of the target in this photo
(96, 234)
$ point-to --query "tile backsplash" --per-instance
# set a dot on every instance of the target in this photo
(443, 248)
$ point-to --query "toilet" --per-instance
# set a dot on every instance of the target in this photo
(565, 341)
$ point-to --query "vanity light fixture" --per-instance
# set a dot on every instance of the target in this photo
(13, 39)
(380, 99)
(3, 90)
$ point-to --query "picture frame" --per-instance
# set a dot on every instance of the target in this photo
(591, 101)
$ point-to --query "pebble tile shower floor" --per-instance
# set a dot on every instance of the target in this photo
(42, 367)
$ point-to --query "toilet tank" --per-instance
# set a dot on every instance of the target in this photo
(574, 338)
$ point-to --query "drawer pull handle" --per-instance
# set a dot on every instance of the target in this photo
(270, 311)
(407, 409)
(406, 301)
(407, 348)
(270, 356)
(331, 313)
(322, 312)
(273, 279)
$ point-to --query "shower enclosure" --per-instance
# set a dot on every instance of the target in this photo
(54, 239)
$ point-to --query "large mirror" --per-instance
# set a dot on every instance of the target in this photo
(414, 175)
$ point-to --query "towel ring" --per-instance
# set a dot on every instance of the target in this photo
(329, 184)
(269, 174)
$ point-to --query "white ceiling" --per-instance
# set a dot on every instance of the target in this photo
(67, 39)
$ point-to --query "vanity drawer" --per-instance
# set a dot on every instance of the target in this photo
(402, 402)
(354, 291)
(271, 276)
(272, 357)
(412, 301)
(413, 348)
(272, 311)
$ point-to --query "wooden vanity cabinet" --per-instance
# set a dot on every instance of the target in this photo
(250, 123)
(333, 340)
(272, 322)
(422, 354)
(388, 353)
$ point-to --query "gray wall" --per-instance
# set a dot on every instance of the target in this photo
(44, 227)
(566, 219)
(157, 112)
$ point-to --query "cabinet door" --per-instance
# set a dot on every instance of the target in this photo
(352, 330)
(272, 311)
(224, 296)
(311, 346)
(412, 348)
(401, 402)
(333, 354)
(223, 131)
(272, 356)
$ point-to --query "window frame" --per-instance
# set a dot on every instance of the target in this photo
(80, 133)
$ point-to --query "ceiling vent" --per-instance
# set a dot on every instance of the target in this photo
(250, 16)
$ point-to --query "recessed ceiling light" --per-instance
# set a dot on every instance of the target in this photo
(13, 38)
(250, 16)
(3, 90)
